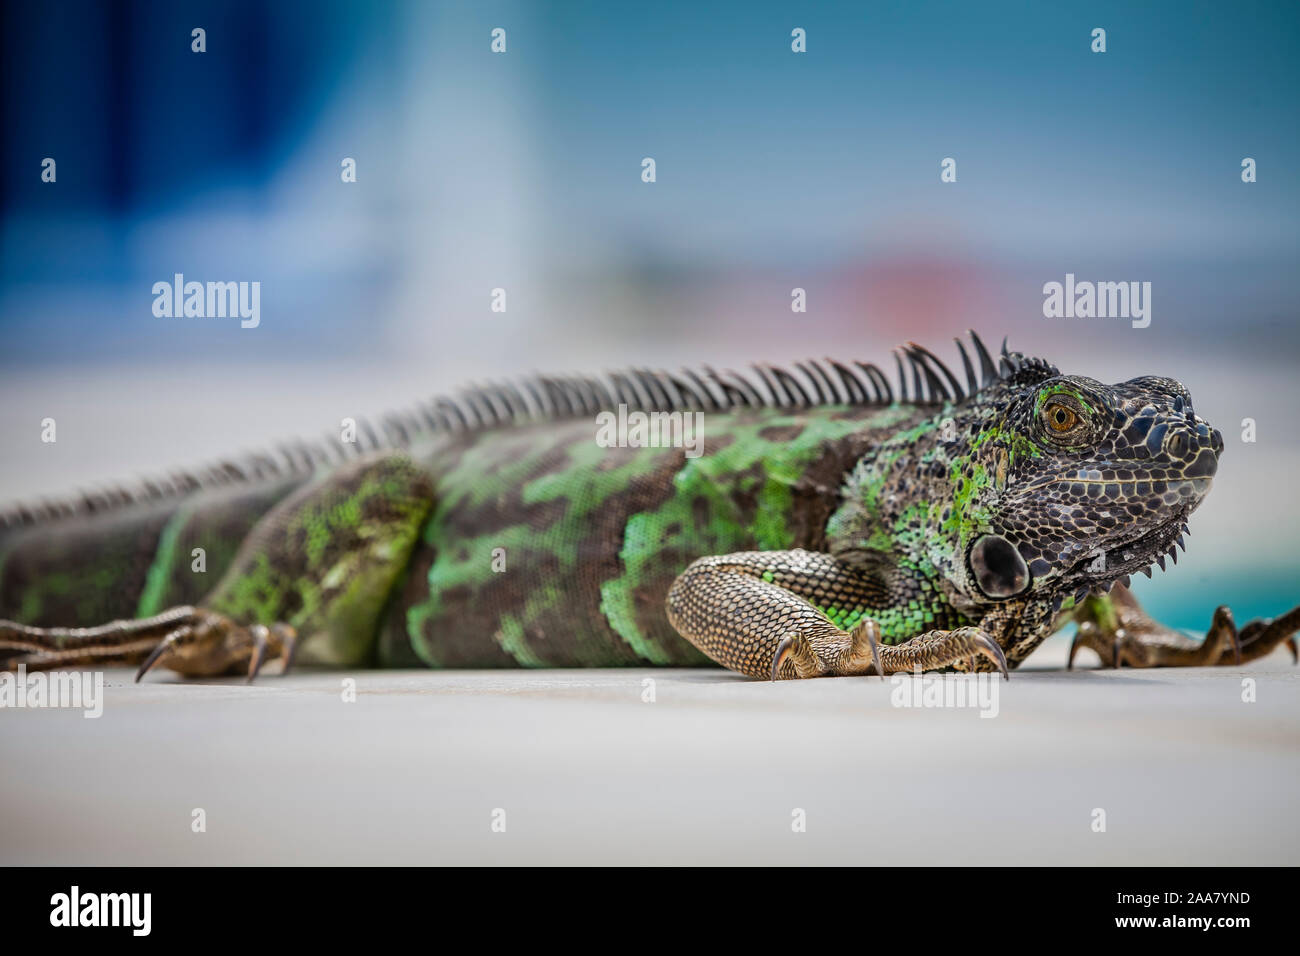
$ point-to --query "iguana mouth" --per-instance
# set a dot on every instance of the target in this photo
(1134, 487)
(1101, 569)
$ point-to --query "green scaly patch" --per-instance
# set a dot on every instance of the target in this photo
(658, 544)
(583, 485)
(331, 568)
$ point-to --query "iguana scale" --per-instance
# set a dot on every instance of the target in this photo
(836, 524)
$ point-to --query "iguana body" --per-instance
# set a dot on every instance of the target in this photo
(823, 520)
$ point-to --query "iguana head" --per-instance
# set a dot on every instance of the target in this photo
(1085, 483)
(1039, 484)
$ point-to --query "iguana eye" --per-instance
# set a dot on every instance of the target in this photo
(1060, 417)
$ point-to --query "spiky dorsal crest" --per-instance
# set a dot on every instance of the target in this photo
(922, 379)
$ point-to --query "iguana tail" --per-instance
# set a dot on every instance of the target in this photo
(132, 560)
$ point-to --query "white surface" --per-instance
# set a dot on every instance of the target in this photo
(709, 773)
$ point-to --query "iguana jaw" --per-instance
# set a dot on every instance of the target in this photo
(1145, 546)
(1130, 557)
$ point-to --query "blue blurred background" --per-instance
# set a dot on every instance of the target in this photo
(522, 171)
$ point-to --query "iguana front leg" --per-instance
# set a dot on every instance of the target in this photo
(761, 613)
(1122, 633)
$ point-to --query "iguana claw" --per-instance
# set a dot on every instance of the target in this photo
(868, 631)
(993, 651)
(259, 634)
(794, 647)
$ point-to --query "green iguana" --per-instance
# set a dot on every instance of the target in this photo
(834, 525)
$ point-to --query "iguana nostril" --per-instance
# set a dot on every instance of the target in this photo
(1178, 444)
(1205, 465)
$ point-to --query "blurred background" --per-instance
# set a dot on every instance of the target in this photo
(522, 171)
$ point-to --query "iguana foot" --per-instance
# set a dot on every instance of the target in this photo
(935, 650)
(861, 653)
(1122, 633)
(211, 644)
(192, 641)
(857, 653)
